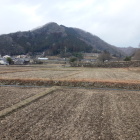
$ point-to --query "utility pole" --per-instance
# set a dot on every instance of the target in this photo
(65, 50)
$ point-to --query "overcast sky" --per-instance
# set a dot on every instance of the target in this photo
(115, 21)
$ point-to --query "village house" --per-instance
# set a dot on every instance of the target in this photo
(21, 56)
(3, 61)
(6, 56)
(21, 61)
(91, 54)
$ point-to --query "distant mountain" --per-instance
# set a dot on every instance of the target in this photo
(129, 51)
(54, 39)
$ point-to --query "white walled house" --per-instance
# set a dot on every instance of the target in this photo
(6, 56)
(3, 61)
(42, 58)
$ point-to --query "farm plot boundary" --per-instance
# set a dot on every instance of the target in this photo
(76, 114)
(27, 101)
(73, 83)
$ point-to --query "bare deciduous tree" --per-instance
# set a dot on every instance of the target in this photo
(104, 56)
(137, 55)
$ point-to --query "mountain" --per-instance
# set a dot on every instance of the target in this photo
(129, 51)
(54, 39)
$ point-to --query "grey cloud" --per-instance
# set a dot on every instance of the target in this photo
(115, 21)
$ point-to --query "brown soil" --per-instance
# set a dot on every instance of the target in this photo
(13, 95)
(77, 114)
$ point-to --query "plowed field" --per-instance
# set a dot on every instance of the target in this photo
(13, 95)
(76, 114)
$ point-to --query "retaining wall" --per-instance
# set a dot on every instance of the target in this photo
(122, 64)
(73, 83)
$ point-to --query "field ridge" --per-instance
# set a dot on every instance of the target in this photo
(74, 83)
(25, 102)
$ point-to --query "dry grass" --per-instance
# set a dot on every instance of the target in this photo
(116, 74)
(74, 83)
(95, 77)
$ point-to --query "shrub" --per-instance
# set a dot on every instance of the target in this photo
(9, 60)
(127, 58)
(73, 59)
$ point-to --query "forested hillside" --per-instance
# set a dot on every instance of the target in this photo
(53, 39)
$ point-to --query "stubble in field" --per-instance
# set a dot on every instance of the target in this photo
(77, 114)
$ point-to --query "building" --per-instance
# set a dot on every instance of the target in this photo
(3, 61)
(6, 56)
(43, 58)
(21, 61)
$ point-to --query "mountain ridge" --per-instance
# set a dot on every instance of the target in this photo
(54, 39)
(129, 51)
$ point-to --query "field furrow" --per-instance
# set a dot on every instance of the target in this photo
(76, 113)
(13, 95)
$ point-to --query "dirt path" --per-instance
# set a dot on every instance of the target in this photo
(77, 114)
